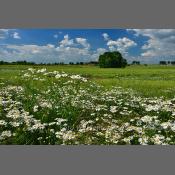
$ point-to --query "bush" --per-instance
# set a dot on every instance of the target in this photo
(112, 60)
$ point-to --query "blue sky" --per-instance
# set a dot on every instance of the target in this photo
(67, 45)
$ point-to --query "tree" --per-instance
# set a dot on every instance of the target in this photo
(112, 59)
(173, 62)
(136, 62)
(163, 62)
(71, 63)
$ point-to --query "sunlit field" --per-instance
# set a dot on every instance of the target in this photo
(73, 104)
(152, 80)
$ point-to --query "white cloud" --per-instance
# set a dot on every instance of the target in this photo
(50, 45)
(16, 35)
(83, 42)
(97, 53)
(105, 36)
(48, 53)
(3, 33)
(74, 50)
(161, 42)
(121, 44)
(66, 41)
(101, 50)
(34, 53)
(73, 54)
(55, 36)
(67, 50)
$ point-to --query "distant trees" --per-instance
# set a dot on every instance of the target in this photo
(71, 63)
(93, 62)
(48, 64)
(162, 63)
(173, 62)
(167, 62)
(136, 62)
(108, 59)
(112, 60)
(16, 63)
(79, 63)
(84, 63)
(3, 62)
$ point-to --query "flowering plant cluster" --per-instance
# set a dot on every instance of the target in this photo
(60, 108)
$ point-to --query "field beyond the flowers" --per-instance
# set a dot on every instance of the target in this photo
(153, 80)
(73, 104)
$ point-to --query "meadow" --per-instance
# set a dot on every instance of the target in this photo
(83, 104)
(152, 80)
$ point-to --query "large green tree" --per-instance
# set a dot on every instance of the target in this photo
(112, 59)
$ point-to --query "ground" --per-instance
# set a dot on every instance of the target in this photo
(87, 105)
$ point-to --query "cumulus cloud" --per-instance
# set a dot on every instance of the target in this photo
(16, 35)
(95, 55)
(3, 33)
(83, 42)
(121, 44)
(161, 42)
(68, 49)
(34, 53)
(66, 41)
(55, 36)
(74, 50)
(105, 36)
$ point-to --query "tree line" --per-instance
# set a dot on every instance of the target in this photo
(33, 63)
(167, 62)
(16, 63)
(106, 60)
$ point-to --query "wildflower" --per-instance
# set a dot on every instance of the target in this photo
(5, 134)
(165, 125)
(146, 119)
(39, 138)
(57, 76)
(35, 108)
(41, 70)
(143, 140)
(158, 139)
(113, 109)
(60, 120)
(52, 130)
(45, 104)
(3, 123)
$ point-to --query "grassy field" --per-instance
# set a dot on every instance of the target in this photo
(87, 105)
(151, 80)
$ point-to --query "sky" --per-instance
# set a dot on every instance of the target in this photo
(84, 45)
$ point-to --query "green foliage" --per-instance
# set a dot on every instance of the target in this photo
(150, 80)
(44, 106)
(112, 60)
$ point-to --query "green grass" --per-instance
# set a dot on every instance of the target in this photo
(152, 80)
(31, 111)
